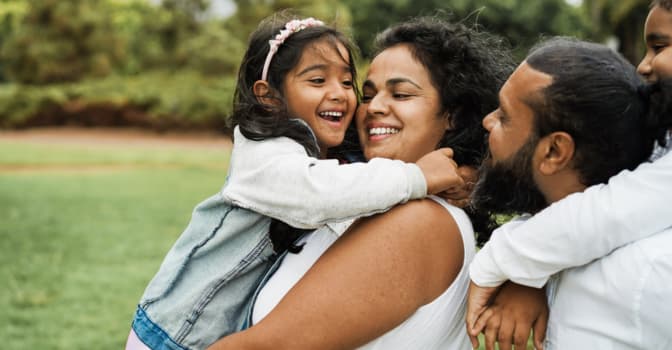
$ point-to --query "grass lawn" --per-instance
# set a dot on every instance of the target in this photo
(84, 228)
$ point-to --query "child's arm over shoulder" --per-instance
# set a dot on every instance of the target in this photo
(580, 228)
(368, 282)
(277, 178)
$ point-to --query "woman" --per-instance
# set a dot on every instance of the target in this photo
(398, 279)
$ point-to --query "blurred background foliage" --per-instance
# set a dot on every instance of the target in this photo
(171, 64)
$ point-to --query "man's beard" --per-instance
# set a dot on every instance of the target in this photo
(507, 187)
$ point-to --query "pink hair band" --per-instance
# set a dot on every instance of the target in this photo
(293, 26)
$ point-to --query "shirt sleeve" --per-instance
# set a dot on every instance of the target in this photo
(277, 178)
(579, 228)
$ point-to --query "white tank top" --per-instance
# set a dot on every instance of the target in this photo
(437, 325)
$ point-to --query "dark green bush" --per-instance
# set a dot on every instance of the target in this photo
(159, 100)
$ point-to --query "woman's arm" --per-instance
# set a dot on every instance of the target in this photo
(580, 228)
(372, 279)
(278, 179)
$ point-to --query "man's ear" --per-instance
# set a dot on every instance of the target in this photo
(557, 152)
(264, 93)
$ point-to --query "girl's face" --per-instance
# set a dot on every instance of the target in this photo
(319, 90)
(657, 63)
(399, 114)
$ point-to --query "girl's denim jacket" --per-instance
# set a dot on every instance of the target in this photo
(205, 284)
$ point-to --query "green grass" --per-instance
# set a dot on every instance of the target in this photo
(79, 242)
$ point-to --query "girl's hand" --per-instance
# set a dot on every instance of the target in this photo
(478, 300)
(460, 196)
(440, 171)
(515, 311)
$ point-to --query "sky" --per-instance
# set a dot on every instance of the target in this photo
(222, 8)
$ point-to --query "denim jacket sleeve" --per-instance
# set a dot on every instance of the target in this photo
(278, 179)
(580, 228)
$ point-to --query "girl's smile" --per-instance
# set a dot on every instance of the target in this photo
(319, 90)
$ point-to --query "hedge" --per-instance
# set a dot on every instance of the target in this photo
(158, 100)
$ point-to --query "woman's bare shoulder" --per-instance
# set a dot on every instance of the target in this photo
(425, 235)
(421, 213)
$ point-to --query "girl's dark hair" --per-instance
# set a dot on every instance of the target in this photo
(467, 67)
(260, 121)
(598, 98)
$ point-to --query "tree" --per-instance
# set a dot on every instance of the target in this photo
(623, 19)
(521, 22)
(250, 12)
(213, 51)
(185, 16)
(60, 41)
(11, 14)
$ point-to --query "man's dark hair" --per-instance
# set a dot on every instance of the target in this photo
(594, 97)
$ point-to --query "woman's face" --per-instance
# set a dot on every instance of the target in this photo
(399, 114)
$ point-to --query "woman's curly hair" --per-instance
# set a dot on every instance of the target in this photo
(468, 67)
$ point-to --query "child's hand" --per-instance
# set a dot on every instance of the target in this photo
(440, 171)
(478, 300)
(461, 196)
(515, 311)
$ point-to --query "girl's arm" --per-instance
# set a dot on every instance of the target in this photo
(276, 178)
(580, 228)
(372, 279)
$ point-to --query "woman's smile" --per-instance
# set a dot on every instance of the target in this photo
(399, 116)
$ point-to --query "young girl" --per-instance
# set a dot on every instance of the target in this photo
(294, 100)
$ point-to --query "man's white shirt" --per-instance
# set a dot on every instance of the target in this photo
(621, 301)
